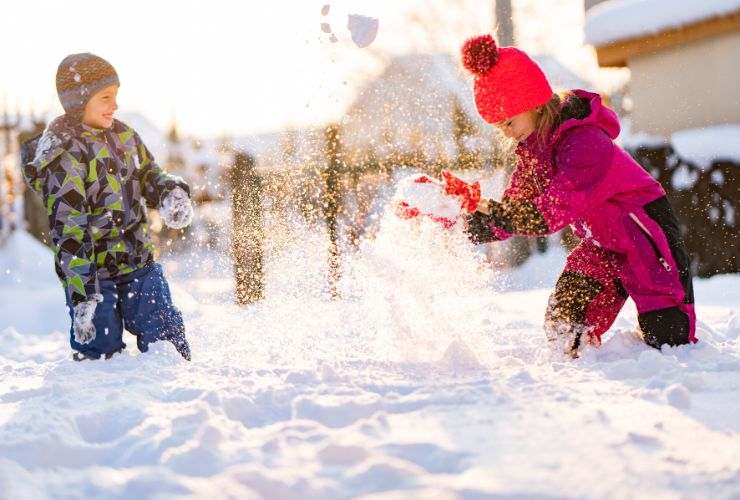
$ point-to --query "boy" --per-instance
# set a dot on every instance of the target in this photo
(96, 178)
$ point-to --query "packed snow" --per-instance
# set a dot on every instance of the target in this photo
(177, 209)
(615, 20)
(428, 378)
(428, 198)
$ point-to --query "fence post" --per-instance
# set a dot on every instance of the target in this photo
(331, 202)
(247, 234)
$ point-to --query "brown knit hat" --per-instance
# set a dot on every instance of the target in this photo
(79, 77)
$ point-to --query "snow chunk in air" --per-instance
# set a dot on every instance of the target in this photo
(364, 29)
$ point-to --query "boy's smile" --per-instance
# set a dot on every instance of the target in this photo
(101, 107)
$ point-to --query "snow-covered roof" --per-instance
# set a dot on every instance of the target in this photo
(702, 146)
(616, 20)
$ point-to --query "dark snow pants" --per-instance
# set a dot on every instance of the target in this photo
(139, 302)
(655, 272)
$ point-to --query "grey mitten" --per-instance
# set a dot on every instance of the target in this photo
(82, 325)
(177, 210)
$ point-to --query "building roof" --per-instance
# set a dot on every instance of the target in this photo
(620, 29)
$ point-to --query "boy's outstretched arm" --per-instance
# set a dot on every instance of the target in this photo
(168, 192)
(156, 183)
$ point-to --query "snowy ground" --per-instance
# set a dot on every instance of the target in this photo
(429, 378)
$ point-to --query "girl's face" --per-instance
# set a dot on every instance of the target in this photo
(520, 126)
(100, 108)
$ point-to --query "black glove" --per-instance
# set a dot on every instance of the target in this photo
(478, 227)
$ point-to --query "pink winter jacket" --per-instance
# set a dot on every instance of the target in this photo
(578, 176)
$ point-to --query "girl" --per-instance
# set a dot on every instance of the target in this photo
(570, 172)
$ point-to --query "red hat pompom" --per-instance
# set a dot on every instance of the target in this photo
(479, 54)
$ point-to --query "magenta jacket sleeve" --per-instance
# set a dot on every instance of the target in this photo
(581, 158)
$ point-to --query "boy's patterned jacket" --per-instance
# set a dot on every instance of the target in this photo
(96, 185)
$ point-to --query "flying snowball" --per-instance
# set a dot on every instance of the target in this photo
(364, 29)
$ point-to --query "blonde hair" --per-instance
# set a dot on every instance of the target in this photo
(548, 115)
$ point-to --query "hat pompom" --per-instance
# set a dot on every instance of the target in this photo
(479, 54)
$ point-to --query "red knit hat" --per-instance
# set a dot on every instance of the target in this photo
(507, 80)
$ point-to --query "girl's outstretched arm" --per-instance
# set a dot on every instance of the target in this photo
(582, 158)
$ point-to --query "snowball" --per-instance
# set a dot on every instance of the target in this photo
(177, 210)
(428, 197)
(459, 358)
(678, 396)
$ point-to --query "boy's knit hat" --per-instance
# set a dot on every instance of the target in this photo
(79, 76)
(507, 80)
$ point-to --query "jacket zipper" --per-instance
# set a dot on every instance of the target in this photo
(650, 239)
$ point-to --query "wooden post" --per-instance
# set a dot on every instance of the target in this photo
(331, 202)
(247, 234)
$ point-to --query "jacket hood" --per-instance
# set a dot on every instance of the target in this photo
(43, 149)
(600, 116)
(38, 152)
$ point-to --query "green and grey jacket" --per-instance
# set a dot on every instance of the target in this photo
(96, 185)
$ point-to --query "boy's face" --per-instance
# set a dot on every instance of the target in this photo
(100, 108)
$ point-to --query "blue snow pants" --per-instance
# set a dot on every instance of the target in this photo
(139, 302)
